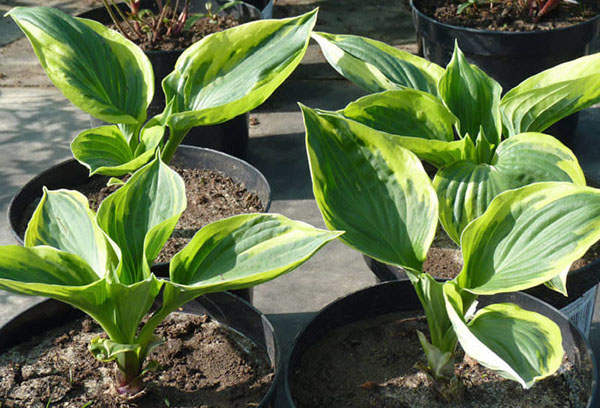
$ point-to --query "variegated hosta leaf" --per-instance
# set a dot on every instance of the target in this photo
(376, 66)
(63, 220)
(232, 72)
(97, 69)
(243, 251)
(519, 345)
(370, 187)
(465, 189)
(473, 97)
(141, 215)
(104, 150)
(404, 113)
(545, 98)
(528, 236)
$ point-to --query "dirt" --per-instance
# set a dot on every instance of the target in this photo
(201, 28)
(202, 364)
(210, 196)
(371, 363)
(507, 15)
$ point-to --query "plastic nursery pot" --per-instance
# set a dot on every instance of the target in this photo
(230, 137)
(71, 174)
(230, 311)
(508, 57)
(398, 296)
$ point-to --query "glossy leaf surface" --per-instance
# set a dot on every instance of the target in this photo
(543, 99)
(520, 345)
(473, 97)
(367, 185)
(140, 216)
(232, 72)
(376, 66)
(529, 236)
(98, 70)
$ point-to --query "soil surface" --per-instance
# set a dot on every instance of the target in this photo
(507, 15)
(371, 363)
(167, 42)
(210, 196)
(202, 364)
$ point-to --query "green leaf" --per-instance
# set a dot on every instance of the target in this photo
(545, 98)
(234, 71)
(404, 113)
(243, 251)
(528, 236)
(367, 185)
(473, 97)
(105, 150)
(440, 363)
(95, 68)
(520, 345)
(532, 157)
(106, 350)
(376, 66)
(64, 221)
(464, 191)
(141, 216)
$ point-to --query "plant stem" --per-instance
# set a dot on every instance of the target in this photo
(175, 139)
(115, 20)
(127, 374)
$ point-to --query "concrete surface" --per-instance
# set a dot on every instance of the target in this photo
(37, 124)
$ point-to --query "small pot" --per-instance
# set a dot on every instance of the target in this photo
(390, 297)
(508, 57)
(230, 311)
(230, 137)
(70, 174)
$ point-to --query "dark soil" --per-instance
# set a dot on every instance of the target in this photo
(210, 197)
(372, 364)
(202, 364)
(164, 42)
(506, 15)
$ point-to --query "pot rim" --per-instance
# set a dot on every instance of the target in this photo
(512, 34)
(483, 300)
(12, 205)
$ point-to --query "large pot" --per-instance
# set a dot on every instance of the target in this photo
(70, 174)
(230, 137)
(391, 297)
(508, 57)
(230, 311)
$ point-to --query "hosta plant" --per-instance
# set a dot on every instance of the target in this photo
(455, 119)
(100, 263)
(377, 191)
(216, 79)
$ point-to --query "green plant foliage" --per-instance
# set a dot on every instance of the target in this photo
(100, 263)
(222, 76)
(376, 190)
(498, 145)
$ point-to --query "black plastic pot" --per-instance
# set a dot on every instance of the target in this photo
(70, 174)
(390, 297)
(230, 311)
(508, 57)
(230, 137)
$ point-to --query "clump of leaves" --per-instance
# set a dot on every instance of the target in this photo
(218, 78)
(100, 262)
